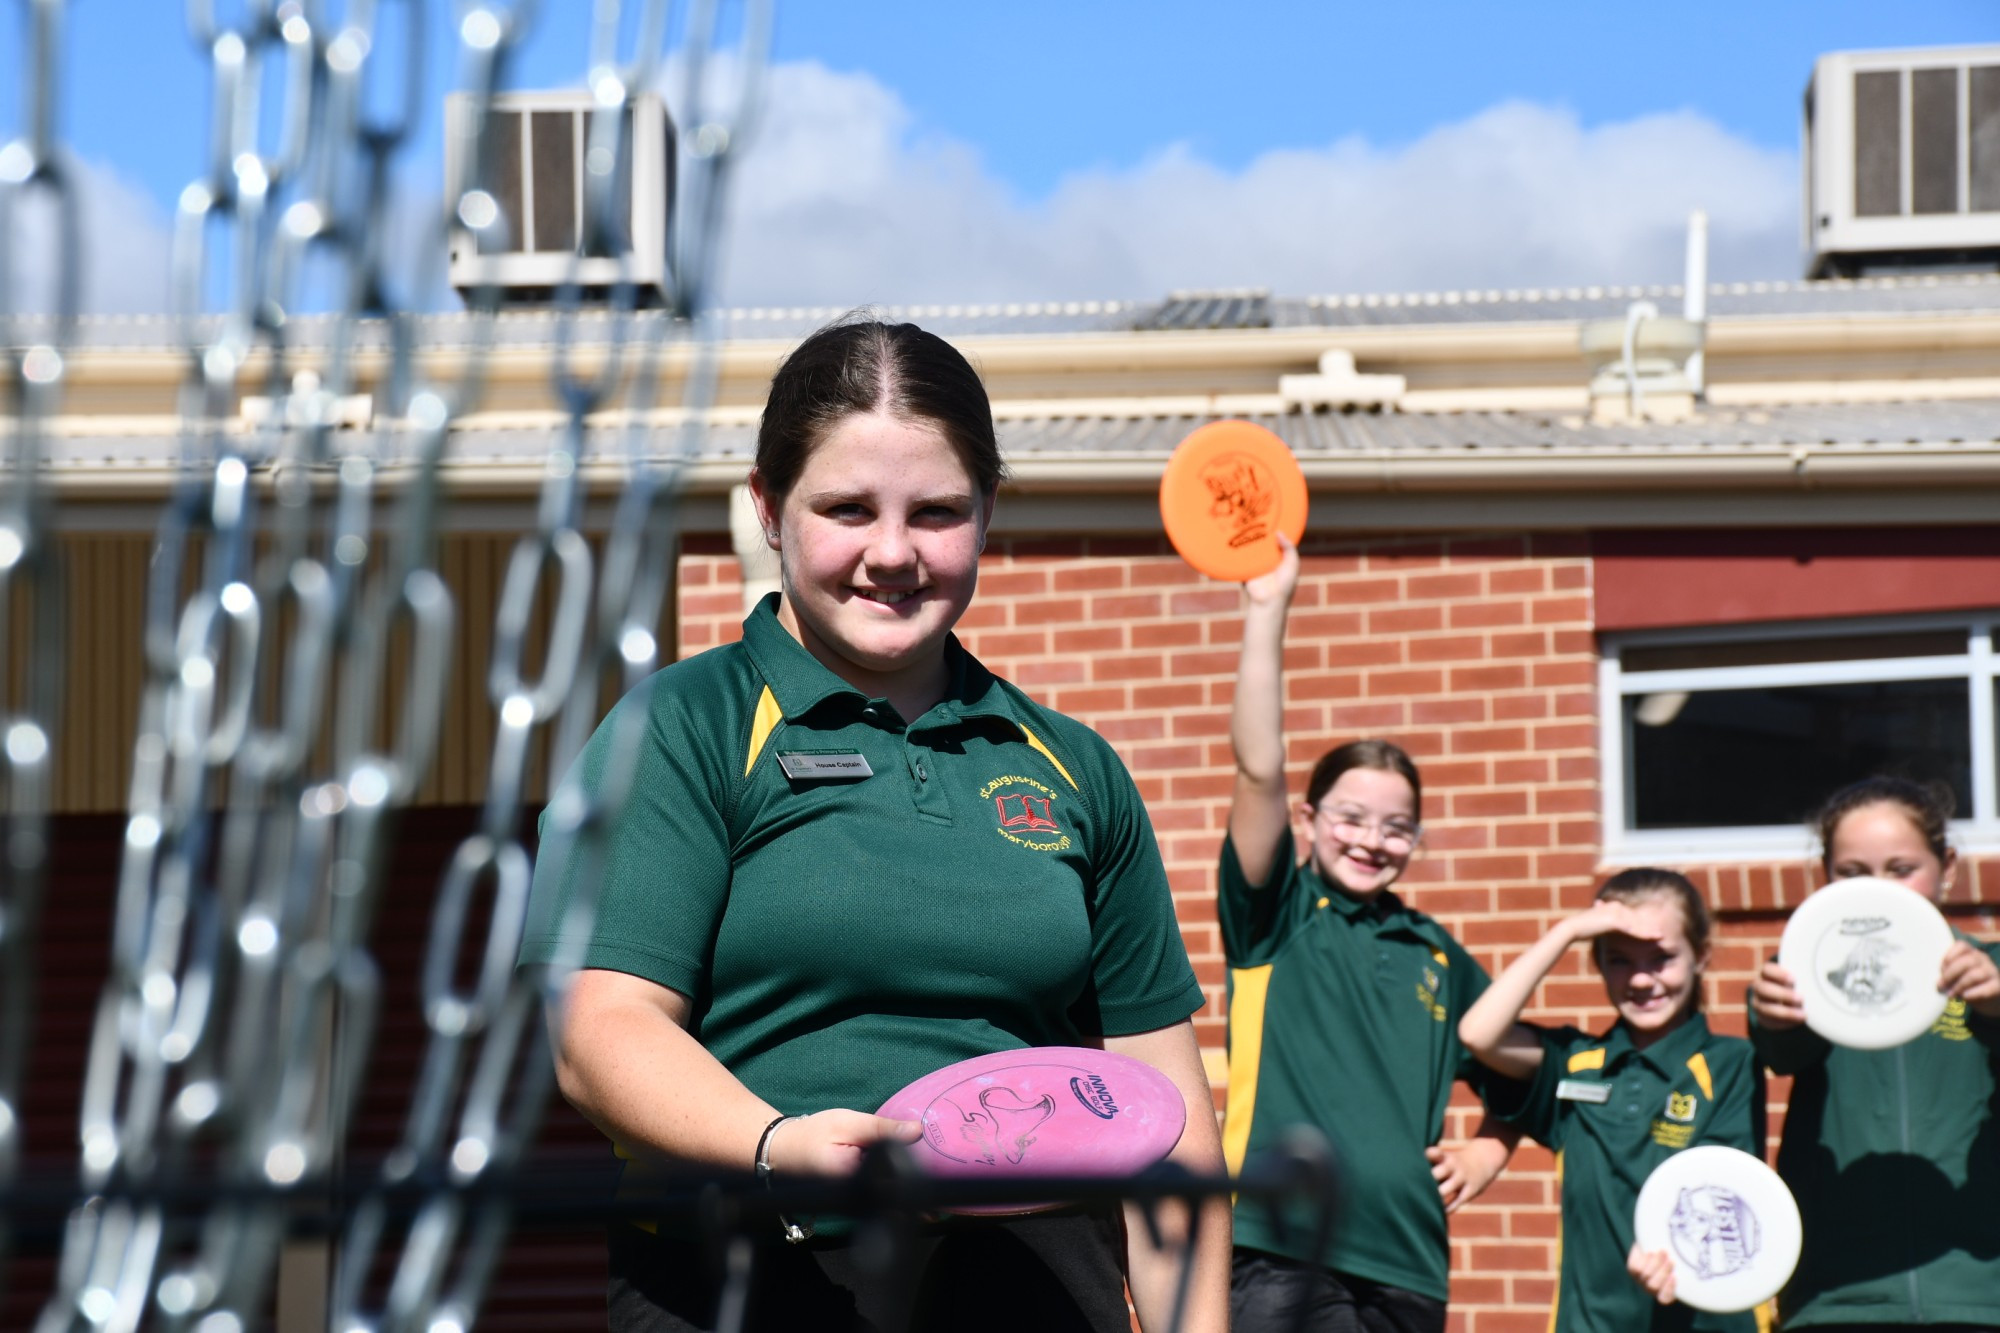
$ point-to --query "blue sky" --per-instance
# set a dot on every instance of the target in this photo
(1011, 150)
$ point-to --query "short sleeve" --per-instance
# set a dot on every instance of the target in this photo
(1257, 919)
(1531, 1105)
(1738, 1118)
(1140, 976)
(664, 878)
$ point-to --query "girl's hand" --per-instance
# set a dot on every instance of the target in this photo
(1276, 588)
(1464, 1172)
(1969, 974)
(1775, 1000)
(829, 1143)
(1609, 917)
(1653, 1270)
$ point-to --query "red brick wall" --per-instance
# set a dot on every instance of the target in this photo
(1477, 654)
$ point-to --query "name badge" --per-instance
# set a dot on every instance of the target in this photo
(1576, 1090)
(800, 765)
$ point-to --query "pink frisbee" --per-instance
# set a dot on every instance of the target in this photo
(1041, 1111)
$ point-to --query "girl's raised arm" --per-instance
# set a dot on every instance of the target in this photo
(1258, 810)
(1491, 1028)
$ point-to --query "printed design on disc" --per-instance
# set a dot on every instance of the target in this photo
(1858, 961)
(984, 1122)
(1714, 1231)
(1243, 496)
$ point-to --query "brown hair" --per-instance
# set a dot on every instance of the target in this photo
(1929, 806)
(858, 365)
(1382, 756)
(1636, 885)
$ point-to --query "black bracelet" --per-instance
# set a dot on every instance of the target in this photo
(762, 1166)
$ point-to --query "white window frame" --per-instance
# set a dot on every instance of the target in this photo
(1980, 832)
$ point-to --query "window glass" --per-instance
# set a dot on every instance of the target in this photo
(1821, 648)
(1735, 758)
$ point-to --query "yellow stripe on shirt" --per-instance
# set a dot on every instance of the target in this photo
(1590, 1059)
(769, 715)
(1699, 1068)
(1050, 755)
(1246, 1048)
(1556, 1304)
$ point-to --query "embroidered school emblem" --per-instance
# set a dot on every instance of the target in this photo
(1680, 1107)
(1026, 813)
(1021, 811)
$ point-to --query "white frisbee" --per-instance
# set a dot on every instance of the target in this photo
(1865, 955)
(1728, 1221)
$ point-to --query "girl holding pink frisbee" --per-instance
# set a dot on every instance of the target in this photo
(854, 856)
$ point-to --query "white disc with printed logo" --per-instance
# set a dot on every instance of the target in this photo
(1728, 1221)
(1865, 955)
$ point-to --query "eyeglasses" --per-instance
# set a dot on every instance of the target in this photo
(1395, 835)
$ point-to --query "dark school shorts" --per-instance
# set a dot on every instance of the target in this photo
(1266, 1292)
(1058, 1271)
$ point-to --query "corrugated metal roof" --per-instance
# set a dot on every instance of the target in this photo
(1869, 426)
(1230, 309)
(1331, 434)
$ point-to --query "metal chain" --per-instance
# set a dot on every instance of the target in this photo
(31, 594)
(231, 1037)
(259, 917)
(495, 1027)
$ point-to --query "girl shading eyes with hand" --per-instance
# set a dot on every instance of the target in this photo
(1618, 1103)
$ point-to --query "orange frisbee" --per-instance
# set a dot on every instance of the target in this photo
(1228, 488)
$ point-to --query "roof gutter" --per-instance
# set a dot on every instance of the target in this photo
(1781, 467)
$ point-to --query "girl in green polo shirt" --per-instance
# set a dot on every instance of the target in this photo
(1894, 1155)
(852, 856)
(1613, 1107)
(1343, 1015)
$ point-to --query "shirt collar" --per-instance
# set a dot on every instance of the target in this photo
(801, 682)
(796, 679)
(1667, 1055)
(1384, 907)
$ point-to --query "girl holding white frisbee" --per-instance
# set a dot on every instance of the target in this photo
(1614, 1106)
(1893, 1155)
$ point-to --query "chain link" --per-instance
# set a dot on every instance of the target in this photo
(31, 591)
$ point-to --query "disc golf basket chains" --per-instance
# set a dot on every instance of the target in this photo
(294, 555)
(217, 1091)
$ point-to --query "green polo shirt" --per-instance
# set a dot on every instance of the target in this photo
(1612, 1113)
(917, 892)
(1343, 1015)
(1894, 1157)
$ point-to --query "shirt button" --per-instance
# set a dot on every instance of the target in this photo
(922, 776)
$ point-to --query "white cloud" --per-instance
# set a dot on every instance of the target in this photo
(123, 246)
(841, 200)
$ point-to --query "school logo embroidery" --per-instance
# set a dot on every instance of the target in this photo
(1026, 813)
(1427, 991)
(1018, 810)
(1680, 1107)
(1951, 1023)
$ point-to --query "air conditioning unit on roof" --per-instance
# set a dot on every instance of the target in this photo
(1902, 160)
(540, 142)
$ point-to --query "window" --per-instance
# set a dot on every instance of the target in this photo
(1720, 743)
